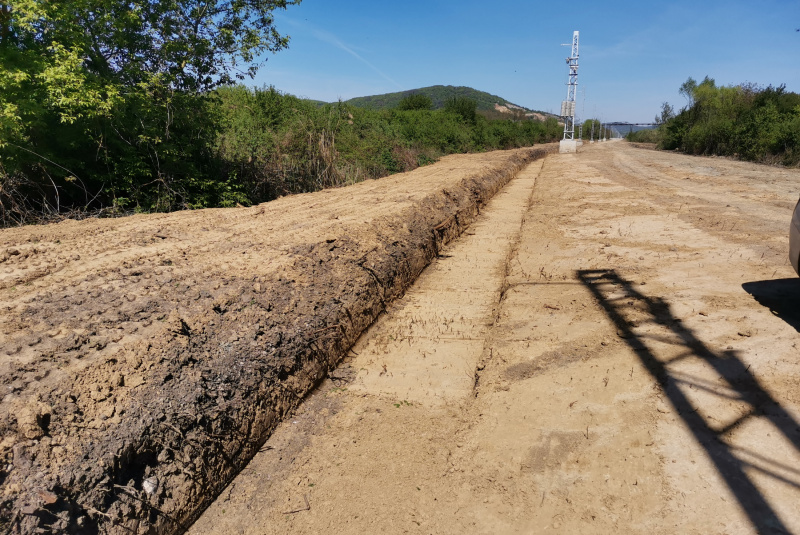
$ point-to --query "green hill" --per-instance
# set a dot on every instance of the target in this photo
(439, 95)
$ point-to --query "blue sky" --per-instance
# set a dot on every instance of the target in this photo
(633, 55)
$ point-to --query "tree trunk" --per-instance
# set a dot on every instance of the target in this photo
(5, 22)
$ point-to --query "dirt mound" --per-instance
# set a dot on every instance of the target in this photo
(147, 359)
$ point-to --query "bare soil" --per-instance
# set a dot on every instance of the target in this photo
(145, 360)
(610, 348)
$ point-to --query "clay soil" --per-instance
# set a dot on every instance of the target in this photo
(145, 360)
(611, 347)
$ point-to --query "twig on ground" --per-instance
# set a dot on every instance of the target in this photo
(306, 508)
(337, 326)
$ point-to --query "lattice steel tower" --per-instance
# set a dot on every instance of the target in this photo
(568, 106)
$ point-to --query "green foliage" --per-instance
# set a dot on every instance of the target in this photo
(688, 88)
(110, 107)
(464, 107)
(746, 121)
(592, 129)
(645, 136)
(277, 144)
(415, 101)
(667, 113)
(107, 104)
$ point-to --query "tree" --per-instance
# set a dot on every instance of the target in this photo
(192, 45)
(415, 101)
(464, 107)
(592, 128)
(687, 89)
(127, 83)
(667, 113)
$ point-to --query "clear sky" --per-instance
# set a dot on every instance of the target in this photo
(633, 55)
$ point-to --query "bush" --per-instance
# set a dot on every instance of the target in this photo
(239, 145)
(745, 121)
(464, 107)
(415, 101)
(277, 144)
(645, 136)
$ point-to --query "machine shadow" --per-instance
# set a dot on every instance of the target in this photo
(627, 307)
(781, 296)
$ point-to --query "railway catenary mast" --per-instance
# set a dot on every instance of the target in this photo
(569, 144)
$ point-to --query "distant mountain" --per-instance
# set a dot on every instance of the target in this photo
(439, 94)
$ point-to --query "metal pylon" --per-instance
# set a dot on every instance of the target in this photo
(568, 106)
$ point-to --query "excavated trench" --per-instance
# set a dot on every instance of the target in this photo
(146, 361)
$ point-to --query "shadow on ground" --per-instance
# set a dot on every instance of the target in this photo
(628, 308)
(781, 296)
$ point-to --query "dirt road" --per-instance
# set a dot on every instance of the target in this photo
(611, 348)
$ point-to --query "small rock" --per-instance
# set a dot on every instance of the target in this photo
(134, 360)
(47, 497)
(22, 460)
(13, 488)
(108, 412)
(164, 456)
(33, 420)
(59, 453)
(150, 485)
(135, 380)
(257, 288)
(116, 380)
(98, 395)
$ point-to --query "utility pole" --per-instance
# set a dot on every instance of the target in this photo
(582, 117)
(569, 144)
